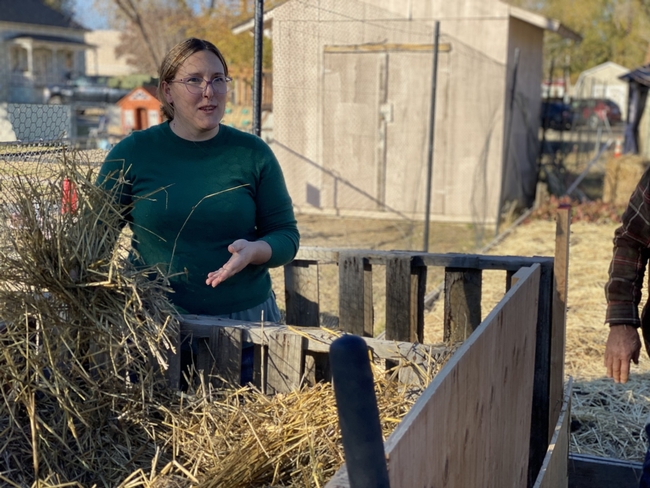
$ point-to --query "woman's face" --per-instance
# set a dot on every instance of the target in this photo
(197, 115)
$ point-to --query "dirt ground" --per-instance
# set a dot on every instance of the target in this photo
(359, 233)
(607, 418)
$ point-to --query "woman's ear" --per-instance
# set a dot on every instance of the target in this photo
(168, 93)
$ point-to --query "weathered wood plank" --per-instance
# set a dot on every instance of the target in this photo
(558, 317)
(597, 472)
(404, 299)
(285, 362)
(385, 47)
(462, 309)
(460, 432)
(447, 260)
(317, 339)
(301, 293)
(355, 294)
(226, 348)
(554, 472)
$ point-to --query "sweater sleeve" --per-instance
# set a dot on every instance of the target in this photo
(275, 221)
(630, 258)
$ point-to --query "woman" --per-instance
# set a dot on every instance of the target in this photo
(208, 203)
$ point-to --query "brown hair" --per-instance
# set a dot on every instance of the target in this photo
(173, 61)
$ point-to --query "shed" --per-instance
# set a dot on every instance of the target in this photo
(604, 81)
(140, 109)
(352, 85)
(637, 128)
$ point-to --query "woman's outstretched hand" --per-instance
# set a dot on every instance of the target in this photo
(243, 253)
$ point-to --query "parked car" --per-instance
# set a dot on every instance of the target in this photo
(593, 111)
(91, 89)
(555, 114)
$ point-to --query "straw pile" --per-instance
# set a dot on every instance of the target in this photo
(85, 336)
(621, 177)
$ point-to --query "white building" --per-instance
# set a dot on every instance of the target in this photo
(603, 81)
(352, 85)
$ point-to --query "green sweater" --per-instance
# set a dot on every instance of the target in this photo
(190, 200)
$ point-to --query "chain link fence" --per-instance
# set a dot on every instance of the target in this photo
(351, 107)
(350, 118)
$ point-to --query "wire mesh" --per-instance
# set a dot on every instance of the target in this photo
(352, 87)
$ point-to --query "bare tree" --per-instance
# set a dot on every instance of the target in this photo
(133, 14)
(149, 29)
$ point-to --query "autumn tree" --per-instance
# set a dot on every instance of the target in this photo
(64, 6)
(612, 30)
(151, 27)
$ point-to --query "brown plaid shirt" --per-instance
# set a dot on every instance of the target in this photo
(630, 259)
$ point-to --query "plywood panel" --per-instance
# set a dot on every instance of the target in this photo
(471, 425)
(554, 469)
(558, 317)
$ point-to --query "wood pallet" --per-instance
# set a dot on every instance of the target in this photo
(286, 356)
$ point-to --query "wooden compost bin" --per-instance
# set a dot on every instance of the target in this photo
(489, 416)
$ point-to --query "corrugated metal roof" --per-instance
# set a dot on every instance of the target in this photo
(35, 12)
(640, 75)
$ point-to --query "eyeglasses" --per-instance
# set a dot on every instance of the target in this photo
(196, 85)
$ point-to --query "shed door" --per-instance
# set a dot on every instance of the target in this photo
(376, 108)
(351, 94)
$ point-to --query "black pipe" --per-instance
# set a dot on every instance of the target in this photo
(356, 404)
(257, 67)
(506, 157)
(432, 125)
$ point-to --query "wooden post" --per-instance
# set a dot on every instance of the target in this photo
(226, 352)
(285, 363)
(539, 426)
(558, 320)
(462, 313)
(509, 279)
(405, 287)
(355, 294)
(301, 293)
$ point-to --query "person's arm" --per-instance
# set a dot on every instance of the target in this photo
(623, 346)
(623, 289)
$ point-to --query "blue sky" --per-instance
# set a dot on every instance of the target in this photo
(87, 16)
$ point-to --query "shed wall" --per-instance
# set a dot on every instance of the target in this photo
(322, 143)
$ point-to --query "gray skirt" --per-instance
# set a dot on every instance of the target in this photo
(254, 314)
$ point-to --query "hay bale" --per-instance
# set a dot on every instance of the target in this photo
(621, 177)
